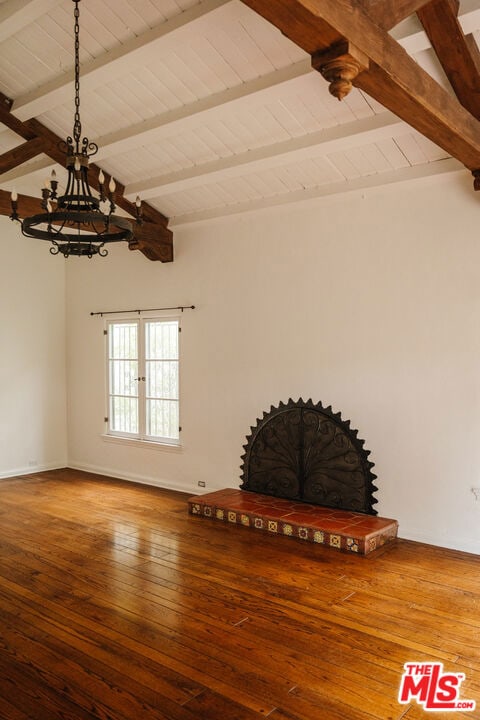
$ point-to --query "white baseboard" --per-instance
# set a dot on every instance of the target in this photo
(143, 479)
(463, 544)
(16, 472)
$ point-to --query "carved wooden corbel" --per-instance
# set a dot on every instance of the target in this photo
(154, 241)
(340, 65)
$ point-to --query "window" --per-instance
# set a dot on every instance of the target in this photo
(143, 379)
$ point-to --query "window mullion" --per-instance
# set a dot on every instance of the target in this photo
(142, 384)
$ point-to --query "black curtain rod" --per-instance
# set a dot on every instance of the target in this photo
(122, 312)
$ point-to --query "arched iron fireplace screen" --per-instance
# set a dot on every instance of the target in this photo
(306, 452)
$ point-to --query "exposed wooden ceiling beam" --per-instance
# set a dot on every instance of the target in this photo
(411, 35)
(388, 13)
(393, 78)
(154, 241)
(151, 241)
(21, 153)
(113, 64)
(189, 116)
(29, 205)
(320, 14)
(458, 54)
(11, 121)
(43, 163)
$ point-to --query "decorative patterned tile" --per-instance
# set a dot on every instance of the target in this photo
(352, 545)
(335, 541)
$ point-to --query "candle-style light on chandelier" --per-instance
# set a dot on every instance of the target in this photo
(77, 222)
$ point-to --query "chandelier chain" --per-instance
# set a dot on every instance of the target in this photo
(77, 125)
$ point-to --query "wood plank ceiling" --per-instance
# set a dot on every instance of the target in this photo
(212, 108)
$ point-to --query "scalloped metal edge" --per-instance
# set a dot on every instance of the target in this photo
(327, 411)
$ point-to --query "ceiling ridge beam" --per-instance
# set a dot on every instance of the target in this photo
(409, 174)
(317, 144)
(112, 64)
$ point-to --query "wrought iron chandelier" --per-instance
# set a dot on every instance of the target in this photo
(77, 222)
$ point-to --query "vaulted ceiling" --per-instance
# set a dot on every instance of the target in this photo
(212, 108)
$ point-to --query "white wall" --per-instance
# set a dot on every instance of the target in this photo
(366, 302)
(32, 358)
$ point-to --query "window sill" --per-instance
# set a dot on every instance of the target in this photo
(150, 444)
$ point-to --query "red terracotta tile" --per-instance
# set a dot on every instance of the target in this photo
(373, 526)
(346, 516)
(239, 505)
(276, 513)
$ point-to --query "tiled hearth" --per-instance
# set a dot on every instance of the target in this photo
(339, 529)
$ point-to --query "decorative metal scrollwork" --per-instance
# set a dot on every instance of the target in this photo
(304, 451)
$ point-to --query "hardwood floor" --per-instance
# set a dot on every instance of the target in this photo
(115, 604)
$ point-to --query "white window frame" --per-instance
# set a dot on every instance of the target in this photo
(140, 438)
